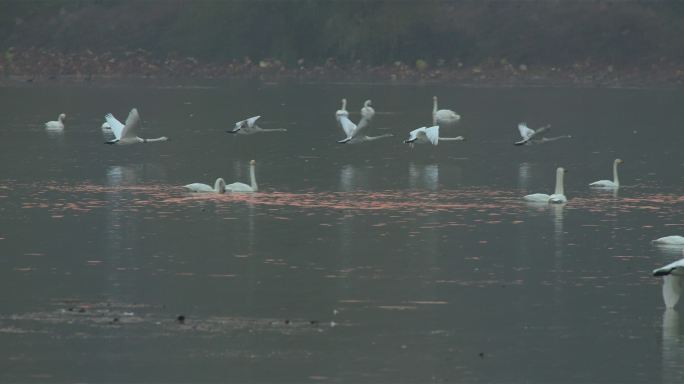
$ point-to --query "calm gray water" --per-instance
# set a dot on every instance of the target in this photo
(354, 263)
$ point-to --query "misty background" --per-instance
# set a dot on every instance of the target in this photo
(548, 32)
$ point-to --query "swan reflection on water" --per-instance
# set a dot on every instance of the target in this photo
(423, 176)
(524, 174)
(672, 348)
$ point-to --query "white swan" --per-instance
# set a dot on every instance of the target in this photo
(242, 187)
(249, 126)
(106, 127)
(558, 195)
(56, 125)
(672, 281)
(125, 134)
(219, 187)
(425, 135)
(528, 134)
(352, 130)
(670, 240)
(443, 116)
(607, 183)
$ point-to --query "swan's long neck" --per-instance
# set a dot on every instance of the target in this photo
(253, 178)
(457, 138)
(434, 110)
(559, 182)
(163, 138)
(273, 130)
(344, 104)
(615, 173)
(371, 138)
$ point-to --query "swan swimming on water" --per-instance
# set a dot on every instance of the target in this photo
(352, 130)
(672, 281)
(425, 135)
(56, 125)
(558, 195)
(125, 134)
(607, 183)
(249, 126)
(443, 116)
(219, 187)
(242, 187)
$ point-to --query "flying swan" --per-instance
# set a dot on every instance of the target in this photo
(672, 281)
(429, 135)
(249, 126)
(531, 136)
(607, 183)
(219, 187)
(125, 134)
(56, 125)
(558, 195)
(242, 187)
(443, 116)
(352, 130)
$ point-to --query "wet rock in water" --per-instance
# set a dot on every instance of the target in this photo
(180, 319)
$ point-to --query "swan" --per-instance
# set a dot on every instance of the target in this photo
(529, 135)
(607, 183)
(249, 126)
(424, 135)
(672, 281)
(106, 127)
(670, 240)
(558, 195)
(125, 134)
(443, 116)
(219, 187)
(352, 130)
(56, 125)
(242, 187)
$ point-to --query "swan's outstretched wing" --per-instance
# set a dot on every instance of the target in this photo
(348, 127)
(131, 124)
(413, 135)
(432, 134)
(525, 131)
(116, 126)
(250, 122)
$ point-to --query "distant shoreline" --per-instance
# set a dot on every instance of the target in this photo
(39, 67)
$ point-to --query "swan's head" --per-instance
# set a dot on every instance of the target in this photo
(434, 98)
(62, 116)
(367, 103)
(561, 170)
(252, 162)
(619, 161)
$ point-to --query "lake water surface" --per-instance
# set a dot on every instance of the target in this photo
(353, 263)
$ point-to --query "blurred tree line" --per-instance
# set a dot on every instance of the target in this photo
(370, 31)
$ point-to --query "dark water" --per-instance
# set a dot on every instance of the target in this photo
(354, 263)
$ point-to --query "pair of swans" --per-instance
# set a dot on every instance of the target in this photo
(430, 135)
(531, 136)
(221, 187)
(558, 196)
(249, 127)
(353, 131)
(57, 125)
(124, 134)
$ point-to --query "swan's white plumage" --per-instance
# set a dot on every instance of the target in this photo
(428, 135)
(57, 125)
(615, 183)
(342, 111)
(249, 126)
(672, 281)
(558, 195)
(219, 187)
(242, 187)
(670, 240)
(126, 133)
(443, 117)
(530, 135)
